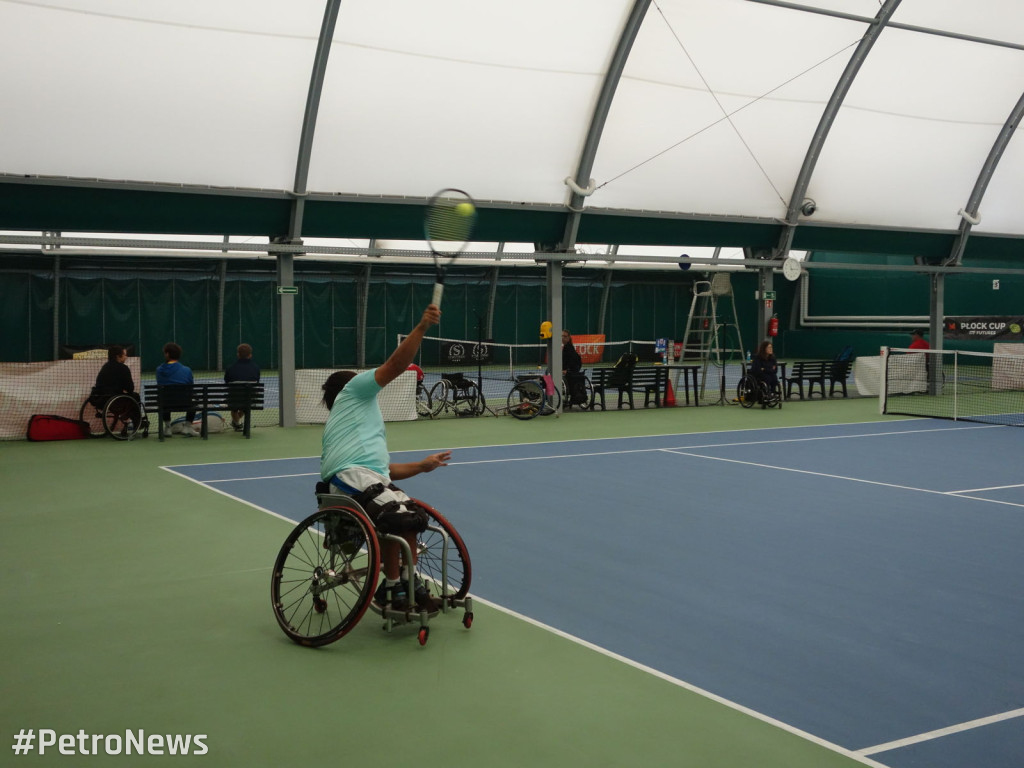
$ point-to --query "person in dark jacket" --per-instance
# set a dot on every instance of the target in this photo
(571, 361)
(764, 367)
(243, 369)
(115, 378)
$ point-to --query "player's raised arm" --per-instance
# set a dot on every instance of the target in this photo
(405, 353)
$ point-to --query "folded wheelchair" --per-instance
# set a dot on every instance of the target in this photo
(327, 573)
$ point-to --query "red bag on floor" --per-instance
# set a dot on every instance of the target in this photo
(41, 427)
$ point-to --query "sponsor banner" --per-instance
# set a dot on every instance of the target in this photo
(91, 352)
(590, 346)
(990, 328)
(462, 353)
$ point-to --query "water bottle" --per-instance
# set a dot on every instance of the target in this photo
(748, 356)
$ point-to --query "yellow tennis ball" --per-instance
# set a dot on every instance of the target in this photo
(465, 209)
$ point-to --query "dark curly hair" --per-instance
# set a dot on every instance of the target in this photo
(334, 384)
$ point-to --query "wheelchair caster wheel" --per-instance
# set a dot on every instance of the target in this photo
(467, 620)
(423, 634)
(319, 604)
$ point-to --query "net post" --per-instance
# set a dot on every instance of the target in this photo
(883, 390)
(956, 388)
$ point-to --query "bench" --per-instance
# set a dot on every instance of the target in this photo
(205, 399)
(810, 371)
(818, 372)
(652, 380)
(838, 374)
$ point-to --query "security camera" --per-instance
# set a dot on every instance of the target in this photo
(809, 207)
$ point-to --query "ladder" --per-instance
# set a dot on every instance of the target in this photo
(712, 334)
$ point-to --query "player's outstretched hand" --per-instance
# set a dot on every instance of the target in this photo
(436, 460)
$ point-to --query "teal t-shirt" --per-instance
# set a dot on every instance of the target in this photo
(354, 434)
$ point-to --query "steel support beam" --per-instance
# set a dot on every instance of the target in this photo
(969, 215)
(597, 122)
(828, 118)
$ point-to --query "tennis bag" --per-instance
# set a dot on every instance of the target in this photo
(43, 427)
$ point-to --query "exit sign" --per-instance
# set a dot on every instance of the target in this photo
(289, 289)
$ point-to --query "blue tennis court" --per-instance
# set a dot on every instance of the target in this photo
(860, 583)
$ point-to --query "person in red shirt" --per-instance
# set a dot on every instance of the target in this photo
(918, 340)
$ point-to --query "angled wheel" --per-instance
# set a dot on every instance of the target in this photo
(469, 400)
(324, 576)
(94, 417)
(430, 557)
(423, 406)
(588, 389)
(747, 391)
(438, 397)
(552, 402)
(122, 417)
(772, 396)
(526, 400)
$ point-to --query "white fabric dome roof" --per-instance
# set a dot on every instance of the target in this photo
(715, 121)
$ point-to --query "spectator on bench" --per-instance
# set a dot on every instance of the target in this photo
(242, 370)
(173, 372)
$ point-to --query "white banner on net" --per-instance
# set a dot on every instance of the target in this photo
(397, 400)
(54, 388)
(1008, 366)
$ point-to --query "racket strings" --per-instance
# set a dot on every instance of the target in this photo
(446, 224)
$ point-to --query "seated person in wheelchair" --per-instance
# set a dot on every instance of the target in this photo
(572, 363)
(115, 378)
(356, 462)
(764, 367)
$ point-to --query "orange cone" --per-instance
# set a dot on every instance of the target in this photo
(670, 396)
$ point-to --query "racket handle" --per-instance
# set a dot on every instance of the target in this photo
(438, 292)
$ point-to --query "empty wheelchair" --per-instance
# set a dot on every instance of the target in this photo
(529, 397)
(750, 391)
(328, 570)
(121, 416)
(456, 393)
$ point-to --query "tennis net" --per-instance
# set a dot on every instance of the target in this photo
(951, 384)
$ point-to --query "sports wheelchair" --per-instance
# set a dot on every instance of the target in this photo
(122, 416)
(456, 393)
(328, 569)
(752, 390)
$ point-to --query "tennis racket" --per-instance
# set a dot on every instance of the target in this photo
(447, 226)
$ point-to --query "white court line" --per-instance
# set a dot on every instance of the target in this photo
(682, 452)
(230, 496)
(715, 445)
(260, 477)
(642, 437)
(992, 488)
(860, 757)
(938, 734)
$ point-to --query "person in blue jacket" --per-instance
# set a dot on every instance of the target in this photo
(174, 372)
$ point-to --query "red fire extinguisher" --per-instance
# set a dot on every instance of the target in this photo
(773, 326)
